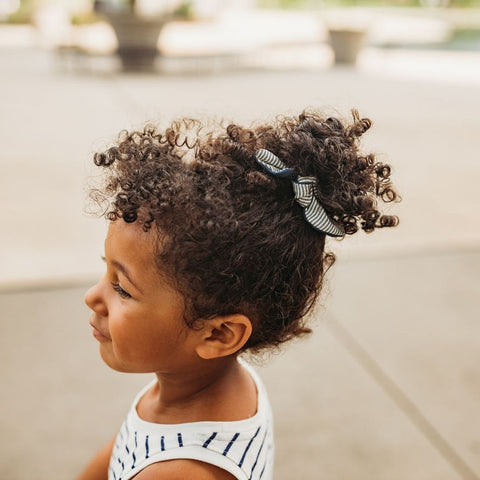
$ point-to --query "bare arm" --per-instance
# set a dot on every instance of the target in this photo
(183, 470)
(97, 469)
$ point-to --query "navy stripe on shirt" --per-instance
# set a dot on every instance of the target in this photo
(207, 443)
(230, 444)
(263, 469)
(258, 455)
(133, 452)
(248, 447)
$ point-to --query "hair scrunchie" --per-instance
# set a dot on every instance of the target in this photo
(304, 190)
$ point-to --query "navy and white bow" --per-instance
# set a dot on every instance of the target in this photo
(304, 190)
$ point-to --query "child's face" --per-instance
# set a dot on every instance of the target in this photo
(137, 316)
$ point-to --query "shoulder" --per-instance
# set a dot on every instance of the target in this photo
(183, 469)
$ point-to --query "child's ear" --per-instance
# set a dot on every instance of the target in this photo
(223, 336)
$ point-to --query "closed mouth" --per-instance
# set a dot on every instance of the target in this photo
(98, 333)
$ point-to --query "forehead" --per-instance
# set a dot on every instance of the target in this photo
(128, 242)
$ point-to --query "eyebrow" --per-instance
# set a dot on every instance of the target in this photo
(124, 270)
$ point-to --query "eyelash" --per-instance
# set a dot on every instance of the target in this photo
(120, 290)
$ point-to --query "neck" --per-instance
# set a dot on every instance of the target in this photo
(175, 389)
(196, 395)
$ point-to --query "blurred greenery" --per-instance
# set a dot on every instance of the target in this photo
(85, 18)
(364, 3)
(23, 14)
(185, 11)
(465, 39)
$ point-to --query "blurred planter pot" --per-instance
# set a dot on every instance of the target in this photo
(137, 35)
(347, 43)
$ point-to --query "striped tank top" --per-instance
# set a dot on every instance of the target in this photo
(243, 448)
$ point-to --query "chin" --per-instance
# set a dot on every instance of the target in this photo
(118, 365)
(112, 362)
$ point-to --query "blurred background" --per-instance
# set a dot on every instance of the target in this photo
(388, 386)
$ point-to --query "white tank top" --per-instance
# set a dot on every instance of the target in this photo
(243, 448)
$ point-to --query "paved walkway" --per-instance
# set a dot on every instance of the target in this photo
(388, 387)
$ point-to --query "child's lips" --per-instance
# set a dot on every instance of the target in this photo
(97, 333)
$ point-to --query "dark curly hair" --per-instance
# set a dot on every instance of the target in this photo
(233, 239)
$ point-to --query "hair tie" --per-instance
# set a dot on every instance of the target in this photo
(304, 189)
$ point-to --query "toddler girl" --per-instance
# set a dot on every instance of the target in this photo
(215, 247)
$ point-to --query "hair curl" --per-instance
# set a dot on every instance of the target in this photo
(233, 238)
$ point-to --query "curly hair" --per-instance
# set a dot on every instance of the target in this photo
(233, 239)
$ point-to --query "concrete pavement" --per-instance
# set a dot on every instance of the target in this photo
(388, 387)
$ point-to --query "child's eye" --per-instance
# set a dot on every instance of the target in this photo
(120, 290)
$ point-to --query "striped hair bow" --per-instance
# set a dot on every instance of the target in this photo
(304, 190)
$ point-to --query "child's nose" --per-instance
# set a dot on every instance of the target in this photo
(94, 299)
